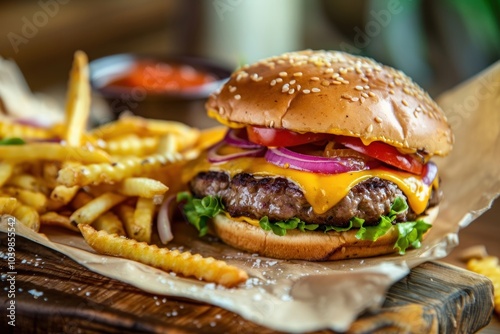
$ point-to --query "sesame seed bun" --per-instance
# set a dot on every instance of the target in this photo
(334, 92)
(309, 246)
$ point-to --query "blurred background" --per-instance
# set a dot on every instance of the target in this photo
(438, 43)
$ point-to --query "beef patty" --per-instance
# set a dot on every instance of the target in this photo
(281, 199)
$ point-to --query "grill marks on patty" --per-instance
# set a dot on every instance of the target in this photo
(280, 199)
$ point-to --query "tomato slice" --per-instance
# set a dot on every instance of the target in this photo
(383, 152)
(282, 138)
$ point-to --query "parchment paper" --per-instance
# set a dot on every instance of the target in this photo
(298, 296)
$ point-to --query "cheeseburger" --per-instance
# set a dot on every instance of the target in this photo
(326, 157)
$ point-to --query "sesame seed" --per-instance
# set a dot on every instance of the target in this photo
(283, 74)
(358, 88)
(221, 110)
(364, 95)
(314, 79)
(364, 79)
(329, 70)
(271, 124)
(297, 74)
(237, 96)
(325, 83)
(354, 99)
(345, 82)
(346, 96)
(335, 75)
(362, 99)
(291, 91)
(391, 84)
(366, 87)
(372, 94)
(285, 88)
(315, 90)
(299, 87)
(232, 89)
(336, 82)
(406, 90)
(418, 109)
(279, 80)
(391, 91)
(369, 129)
(293, 82)
(358, 70)
(306, 91)
(404, 102)
(378, 119)
(273, 82)
(415, 113)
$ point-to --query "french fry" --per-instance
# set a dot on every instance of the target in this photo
(78, 101)
(7, 205)
(51, 151)
(27, 216)
(184, 263)
(168, 143)
(25, 181)
(36, 200)
(143, 220)
(10, 130)
(146, 127)
(141, 187)
(126, 214)
(81, 199)
(63, 194)
(489, 267)
(6, 170)
(110, 223)
(52, 218)
(130, 145)
(108, 173)
(89, 212)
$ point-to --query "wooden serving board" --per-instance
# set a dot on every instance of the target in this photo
(55, 294)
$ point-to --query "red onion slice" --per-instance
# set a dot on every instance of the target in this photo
(232, 138)
(285, 158)
(164, 219)
(429, 173)
(215, 157)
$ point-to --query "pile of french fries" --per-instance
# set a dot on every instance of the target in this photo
(106, 183)
(488, 266)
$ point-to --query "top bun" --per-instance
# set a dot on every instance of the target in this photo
(334, 92)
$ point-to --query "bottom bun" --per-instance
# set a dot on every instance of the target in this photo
(310, 245)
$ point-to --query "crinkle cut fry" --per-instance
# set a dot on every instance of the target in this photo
(184, 263)
(107, 173)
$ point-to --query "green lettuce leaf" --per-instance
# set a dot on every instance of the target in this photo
(280, 227)
(410, 234)
(198, 211)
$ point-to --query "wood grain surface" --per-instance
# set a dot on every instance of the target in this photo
(55, 294)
